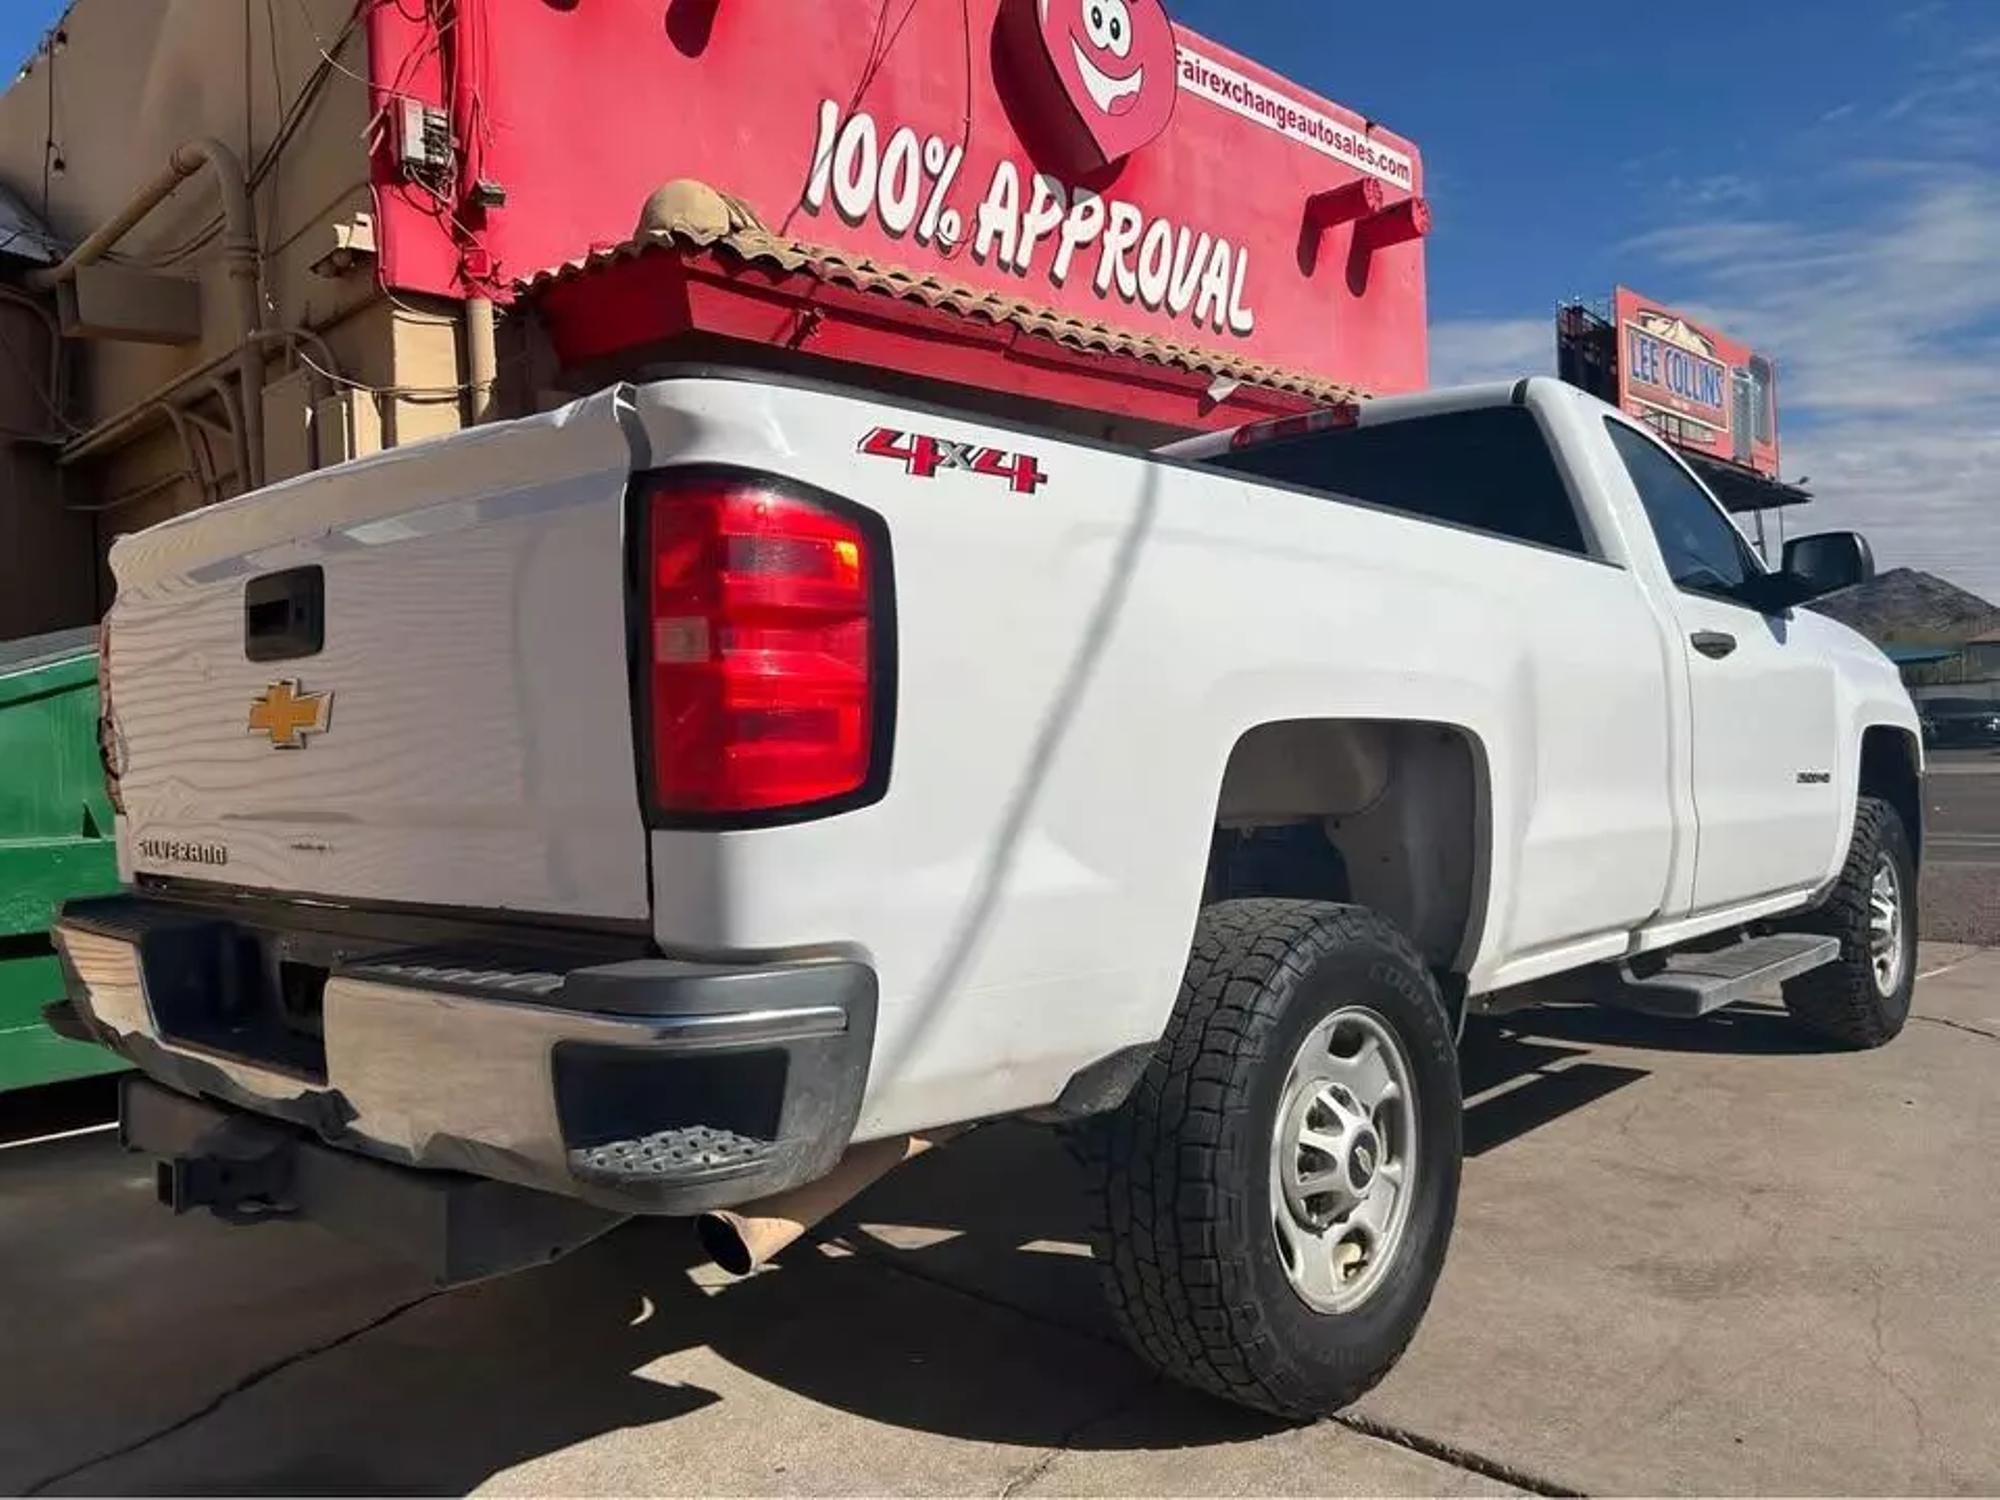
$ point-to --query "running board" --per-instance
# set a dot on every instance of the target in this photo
(1694, 984)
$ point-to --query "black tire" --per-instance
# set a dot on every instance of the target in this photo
(1843, 1001)
(1183, 1229)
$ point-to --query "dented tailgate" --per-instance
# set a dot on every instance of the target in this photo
(401, 680)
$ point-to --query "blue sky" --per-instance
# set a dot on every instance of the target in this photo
(1822, 177)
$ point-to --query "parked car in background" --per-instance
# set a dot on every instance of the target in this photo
(55, 843)
(1960, 723)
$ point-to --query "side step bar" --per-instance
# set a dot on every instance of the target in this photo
(1694, 984)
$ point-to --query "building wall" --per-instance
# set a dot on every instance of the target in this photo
(47, 578)
(1975, 662)
(97, 114)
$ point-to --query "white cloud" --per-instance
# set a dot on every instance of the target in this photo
(1952, 98)
(1924, 491)
(1717, 190)
(1469, 351)
(1887, 335)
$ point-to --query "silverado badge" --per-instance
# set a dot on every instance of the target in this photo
(288, 714)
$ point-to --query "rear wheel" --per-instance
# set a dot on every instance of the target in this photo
(1863, 999)
(1276, 1197)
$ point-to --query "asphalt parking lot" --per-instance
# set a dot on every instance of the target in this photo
(1961, 887)
(1690, 1257)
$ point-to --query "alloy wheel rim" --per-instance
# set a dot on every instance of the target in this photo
(1344, 1160)
(1885, 926)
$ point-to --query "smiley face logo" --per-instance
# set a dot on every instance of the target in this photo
(1115, 60)
(1107, 26)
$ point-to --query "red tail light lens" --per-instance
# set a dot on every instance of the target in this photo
(760, 649)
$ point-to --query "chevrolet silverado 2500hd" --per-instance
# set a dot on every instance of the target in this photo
(649, 806)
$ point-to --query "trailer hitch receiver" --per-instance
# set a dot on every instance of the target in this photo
(241, 1171)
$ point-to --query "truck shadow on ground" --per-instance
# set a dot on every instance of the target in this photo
(1750, 1029)
(956, 1298)
(1529, 1069)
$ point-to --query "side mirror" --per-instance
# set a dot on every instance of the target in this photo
(1814, 566)
(1817, 565)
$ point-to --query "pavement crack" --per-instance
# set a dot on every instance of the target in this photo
(1878, 1362)
(1045, 1460)
(229, 1393)
(1498, 1470)
(1965, 1026)
(1034, 1470)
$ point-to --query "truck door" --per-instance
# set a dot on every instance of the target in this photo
(1761, 697)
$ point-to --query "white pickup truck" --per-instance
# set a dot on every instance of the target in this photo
(663, 804)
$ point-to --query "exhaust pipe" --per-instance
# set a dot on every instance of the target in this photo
(741, 1239)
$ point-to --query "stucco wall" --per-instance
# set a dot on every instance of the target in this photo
(129, 81)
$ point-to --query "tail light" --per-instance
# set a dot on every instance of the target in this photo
(763, 625)
(110, 742)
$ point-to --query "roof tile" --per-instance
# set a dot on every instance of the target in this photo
(751, 243)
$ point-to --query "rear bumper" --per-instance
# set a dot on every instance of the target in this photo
(642, 1085)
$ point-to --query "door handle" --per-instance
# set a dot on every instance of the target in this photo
(1714, 644)
(284, 614)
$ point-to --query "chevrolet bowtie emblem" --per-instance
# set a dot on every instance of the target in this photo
(288, 714)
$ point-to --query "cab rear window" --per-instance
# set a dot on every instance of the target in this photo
(1488, 469)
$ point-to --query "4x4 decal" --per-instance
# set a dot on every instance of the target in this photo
(927, 457)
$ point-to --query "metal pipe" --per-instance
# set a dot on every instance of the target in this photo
(204, 479)
(119, 425)
(482, 359)
(741, 1239)
(239, 224)
(239, 253)
(132, 497)
(54, 399)
(239, 426)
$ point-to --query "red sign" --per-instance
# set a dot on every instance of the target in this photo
(1165, 193)
(1701, 389)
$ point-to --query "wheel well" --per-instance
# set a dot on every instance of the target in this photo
(1390, 816)
(1889, 771)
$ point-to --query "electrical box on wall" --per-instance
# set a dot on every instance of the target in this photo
(424, 142)
(303, 433)
(346, 425)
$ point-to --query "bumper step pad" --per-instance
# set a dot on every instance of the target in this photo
(692, 1151)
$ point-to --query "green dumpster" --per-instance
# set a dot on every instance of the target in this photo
(55, 842)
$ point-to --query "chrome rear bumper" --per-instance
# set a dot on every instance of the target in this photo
(645, 1085)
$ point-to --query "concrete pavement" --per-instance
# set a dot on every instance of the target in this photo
(1689, 1257)
(186, 1356)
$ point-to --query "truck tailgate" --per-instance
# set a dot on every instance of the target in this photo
(461, 733)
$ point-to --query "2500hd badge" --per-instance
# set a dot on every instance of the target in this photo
(181, 852)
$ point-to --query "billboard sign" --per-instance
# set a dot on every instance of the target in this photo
(1703, 390)
(1090, 158)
